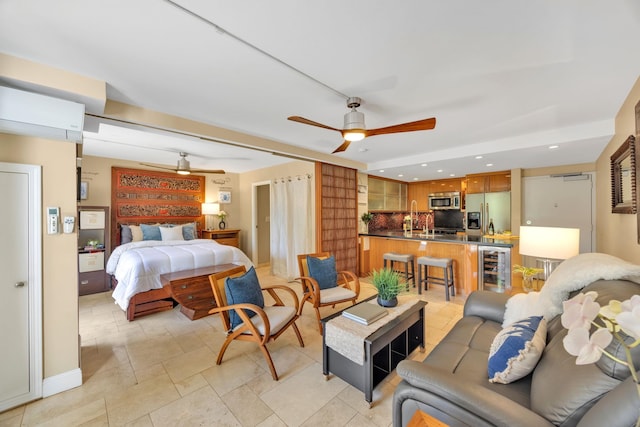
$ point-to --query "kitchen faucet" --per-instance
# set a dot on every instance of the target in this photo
(411, 215)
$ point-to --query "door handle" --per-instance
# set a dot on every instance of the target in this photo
(20, 285)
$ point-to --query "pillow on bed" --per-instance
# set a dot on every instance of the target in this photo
(150, 232)
(125, 234)
(136, 233)
(189, 231)
(171, 233)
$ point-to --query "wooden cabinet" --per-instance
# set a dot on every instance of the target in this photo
(93, 249)
(489, 183)
(224, 237)
(446, 185)
(387, 195)
(419, 191)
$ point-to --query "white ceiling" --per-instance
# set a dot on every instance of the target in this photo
(505, 79)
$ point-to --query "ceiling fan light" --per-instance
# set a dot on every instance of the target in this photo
(354, 135)
(184, 168)
(183, 172)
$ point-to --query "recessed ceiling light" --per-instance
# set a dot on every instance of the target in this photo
(553, 147)
(381, 170)
(400, 175)
(415, 179)
(478, 157)
(439, 170)
(489, 164)
(423, 165)
(452, 174)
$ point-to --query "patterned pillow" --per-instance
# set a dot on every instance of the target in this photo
(150, 232)
(324, 271)
(516, 350)
(243, 289)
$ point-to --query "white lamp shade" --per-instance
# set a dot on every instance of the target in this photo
(549, 242)
(210, 208)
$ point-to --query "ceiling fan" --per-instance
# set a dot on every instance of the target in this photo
(184, 168)
(355, 130)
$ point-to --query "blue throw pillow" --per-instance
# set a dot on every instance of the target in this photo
(243, 289)
(125, 234)
(516, 350)
(323, 271)
(189, 231)
(150, 232)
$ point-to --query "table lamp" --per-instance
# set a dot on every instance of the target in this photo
(209, 210)
(550, 245)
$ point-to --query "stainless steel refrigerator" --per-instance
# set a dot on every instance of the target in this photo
(491, 206)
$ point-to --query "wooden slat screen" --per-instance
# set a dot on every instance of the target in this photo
(337, 214)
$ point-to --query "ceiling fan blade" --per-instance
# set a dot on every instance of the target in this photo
(311, 122)
(207, 171)
(158, 167)
(343, 147)
(426, 124)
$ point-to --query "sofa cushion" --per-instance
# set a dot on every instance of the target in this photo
(516, 350)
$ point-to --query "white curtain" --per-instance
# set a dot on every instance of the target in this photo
(291, 224)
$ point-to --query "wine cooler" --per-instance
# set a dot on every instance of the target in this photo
(494, 268)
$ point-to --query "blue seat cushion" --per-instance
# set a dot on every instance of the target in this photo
(243, 289)
(323, 271)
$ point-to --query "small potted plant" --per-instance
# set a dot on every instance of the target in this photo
(222, 215)
(527, 276)
(389, 284)
(366, 219)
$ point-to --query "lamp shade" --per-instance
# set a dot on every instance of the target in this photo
(210, 208)
(549, 242)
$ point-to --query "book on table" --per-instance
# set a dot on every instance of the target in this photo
(365, 313)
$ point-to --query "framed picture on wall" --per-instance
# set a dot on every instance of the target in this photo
(84, 190)
(224, 197)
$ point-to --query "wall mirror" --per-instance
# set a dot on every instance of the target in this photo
(623, 178)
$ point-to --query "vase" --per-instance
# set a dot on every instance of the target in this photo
(387, 302)
(222, 225)
(527, 283)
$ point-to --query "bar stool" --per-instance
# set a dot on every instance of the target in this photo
(406, 259)
(447, 274)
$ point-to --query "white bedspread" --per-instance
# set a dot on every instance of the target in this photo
(138, 265)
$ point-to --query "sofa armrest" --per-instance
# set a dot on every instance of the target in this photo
(486, 304)
(487, 405)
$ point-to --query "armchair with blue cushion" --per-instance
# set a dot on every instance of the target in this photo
(245, 317)
(323, 285)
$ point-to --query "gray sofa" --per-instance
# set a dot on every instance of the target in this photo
(452, 385)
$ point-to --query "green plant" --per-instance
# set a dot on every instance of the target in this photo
(366, 217)
(388, 283)
(526, 271)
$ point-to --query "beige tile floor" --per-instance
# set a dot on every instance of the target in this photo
(160, 370)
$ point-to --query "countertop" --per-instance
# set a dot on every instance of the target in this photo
(447, 238)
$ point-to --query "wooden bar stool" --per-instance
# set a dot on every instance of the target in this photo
(406, 259)
(446, 264)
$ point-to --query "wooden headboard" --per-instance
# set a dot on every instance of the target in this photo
(148, 197)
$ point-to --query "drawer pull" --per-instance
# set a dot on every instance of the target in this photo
(190, 297)
(84, 282)
(183, 287)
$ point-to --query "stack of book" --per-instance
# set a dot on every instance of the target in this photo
(365, 313)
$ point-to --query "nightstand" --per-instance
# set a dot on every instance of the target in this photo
(224, 237)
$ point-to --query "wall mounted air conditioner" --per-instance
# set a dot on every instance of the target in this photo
(27, 113)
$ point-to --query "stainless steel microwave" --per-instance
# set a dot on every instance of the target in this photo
(439, 201)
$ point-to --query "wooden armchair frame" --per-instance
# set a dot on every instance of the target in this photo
(311, 290)
(248, 331)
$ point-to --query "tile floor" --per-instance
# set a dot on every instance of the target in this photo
(160, 370)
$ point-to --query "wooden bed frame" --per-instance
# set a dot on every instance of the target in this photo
(149, 197)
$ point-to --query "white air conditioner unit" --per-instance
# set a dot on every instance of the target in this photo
(27, 113)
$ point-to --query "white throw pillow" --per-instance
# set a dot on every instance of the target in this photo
(171, 233)
(516, 350)
(136, 233)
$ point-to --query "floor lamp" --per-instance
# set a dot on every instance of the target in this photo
(550, 245)
(209, 210)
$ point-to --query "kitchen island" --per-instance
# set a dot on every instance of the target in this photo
(462, 248)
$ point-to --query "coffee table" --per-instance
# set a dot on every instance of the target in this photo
(383, 349)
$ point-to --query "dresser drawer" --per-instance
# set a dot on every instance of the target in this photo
(229, 241)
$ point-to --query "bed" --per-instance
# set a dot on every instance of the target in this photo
(149, 198)
(137, 268)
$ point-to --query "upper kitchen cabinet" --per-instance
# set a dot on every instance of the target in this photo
(446, 185)
(387, 195)
(419, 191)
(489, 183)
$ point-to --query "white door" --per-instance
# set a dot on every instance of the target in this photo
(20, 285)
(557, 201)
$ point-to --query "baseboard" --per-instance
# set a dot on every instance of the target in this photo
(61, 382)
